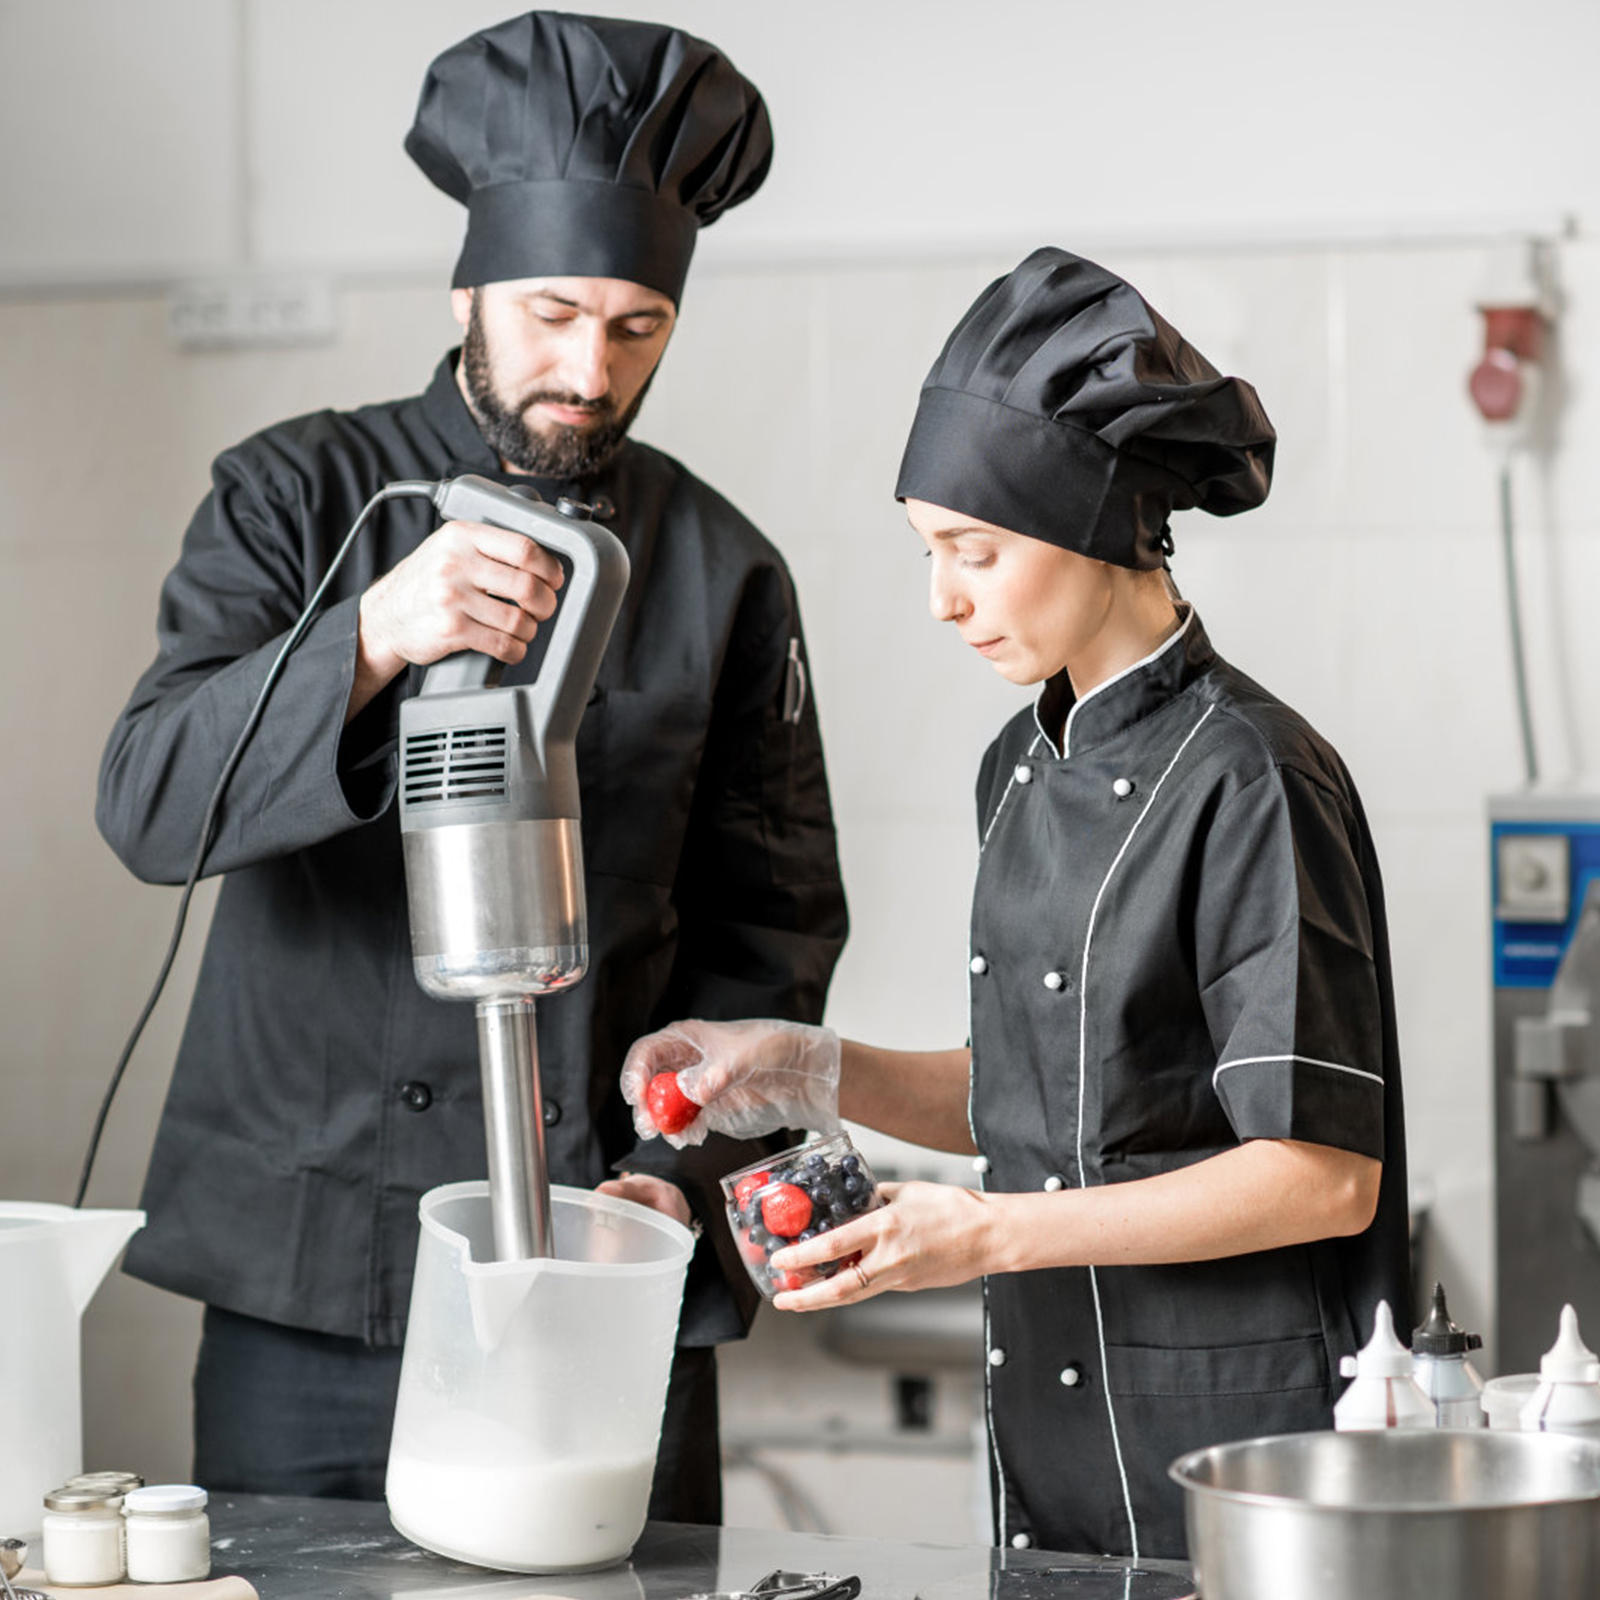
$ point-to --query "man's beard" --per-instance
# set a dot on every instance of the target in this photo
(564, 452)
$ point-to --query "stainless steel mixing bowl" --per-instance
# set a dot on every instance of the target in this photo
(1465, 1513)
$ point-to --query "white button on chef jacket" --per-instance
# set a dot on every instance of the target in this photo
(1023, 774)
(997, 1357)
(1053, 1182)
(1122, 788)
(1055, 980)
(1020, 1541)
(980, 1163)
(978, 966)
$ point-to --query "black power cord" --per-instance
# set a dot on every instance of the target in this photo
(406, 488)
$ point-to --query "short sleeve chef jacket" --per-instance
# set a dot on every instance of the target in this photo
(1178, 944)
(318, 1091)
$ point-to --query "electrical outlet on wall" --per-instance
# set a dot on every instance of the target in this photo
(246, 312)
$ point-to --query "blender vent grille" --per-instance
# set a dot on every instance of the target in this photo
(455, 764)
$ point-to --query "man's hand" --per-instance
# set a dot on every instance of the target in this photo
(467, 586)
(657, 1193)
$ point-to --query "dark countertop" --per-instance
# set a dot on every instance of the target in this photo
(293, 1549)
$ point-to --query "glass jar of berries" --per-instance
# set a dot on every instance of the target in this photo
(805, 1191)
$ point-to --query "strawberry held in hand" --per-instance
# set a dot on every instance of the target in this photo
(670, 1108)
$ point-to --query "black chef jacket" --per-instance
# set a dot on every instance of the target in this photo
(318, 1092)
(1178, 944)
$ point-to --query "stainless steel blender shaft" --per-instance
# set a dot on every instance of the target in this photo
(513, 1116)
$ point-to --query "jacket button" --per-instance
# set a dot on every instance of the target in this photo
(980, 1163)
(978, 966)
(552, 1113)
(1053, 1182)
(1054, 980)
(416, 1096)
(1020, 1541)
(1072, 1375)
(1122, 788)
(1023, 774)
(997, 1357)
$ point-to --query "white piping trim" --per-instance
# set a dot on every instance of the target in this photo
(1117, 677)
(1011, 784)
(1001, 1502)
(1083, 1047)
(1310, 1061)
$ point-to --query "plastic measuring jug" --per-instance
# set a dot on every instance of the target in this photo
(52, 1259)
(531, 1392)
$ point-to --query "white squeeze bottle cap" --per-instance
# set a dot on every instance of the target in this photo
(1385, 1393)
(1568, 1397)
(1383, 1356)
(1569, 1359)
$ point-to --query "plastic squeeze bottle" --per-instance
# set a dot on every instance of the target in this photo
(1439, 1357)
(1568, 1397)
(1385, 1393)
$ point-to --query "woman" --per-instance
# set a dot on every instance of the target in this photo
(1182, 1088)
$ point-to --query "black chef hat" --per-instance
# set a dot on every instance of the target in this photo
(587, 147)
(1065, 408)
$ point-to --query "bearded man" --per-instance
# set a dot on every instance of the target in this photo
(318, 1093)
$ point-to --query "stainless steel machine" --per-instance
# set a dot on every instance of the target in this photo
(489, 822)
(1545, 866)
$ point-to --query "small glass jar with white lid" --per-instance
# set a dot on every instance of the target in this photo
(80, 1536)
(169, 1533)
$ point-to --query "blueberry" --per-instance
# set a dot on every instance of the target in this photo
(816, 1163)
(759, 1237)
(807, 1233)
(851, 1164)
(840, 1210)
(824, 1224)
(855, 1184)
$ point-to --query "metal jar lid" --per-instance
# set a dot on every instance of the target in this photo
(82, 1500)
(116, 1482)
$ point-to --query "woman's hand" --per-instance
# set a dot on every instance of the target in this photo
(748, 1078)
(927, 1236)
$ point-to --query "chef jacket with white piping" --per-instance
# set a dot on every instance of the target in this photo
(1178, 944)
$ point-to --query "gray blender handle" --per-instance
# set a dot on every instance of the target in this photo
(582, 625)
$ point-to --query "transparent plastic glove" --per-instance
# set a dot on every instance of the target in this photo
(748, 1077)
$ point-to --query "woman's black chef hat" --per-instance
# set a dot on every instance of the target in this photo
(587, 147)
(1065, 408)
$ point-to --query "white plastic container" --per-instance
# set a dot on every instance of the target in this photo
(55, 1256)
(1504, 1397)
(531, 1392)
(1568, 1397)
(168, 1534)
(1443, 1372)
(1384, 1393)
(81, 1537)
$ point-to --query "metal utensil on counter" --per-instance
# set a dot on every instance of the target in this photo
(13, 1552)
(781, 1585)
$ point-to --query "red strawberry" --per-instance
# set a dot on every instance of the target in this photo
(670, 1108)
(748, 1185)
(786, 1211)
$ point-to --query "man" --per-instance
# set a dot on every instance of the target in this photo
(318, 1092)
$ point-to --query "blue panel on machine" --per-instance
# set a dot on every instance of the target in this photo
(1540, 872)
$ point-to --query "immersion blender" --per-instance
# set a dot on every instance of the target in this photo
(493, 854)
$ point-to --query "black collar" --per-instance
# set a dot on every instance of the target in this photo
(1130, 696)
